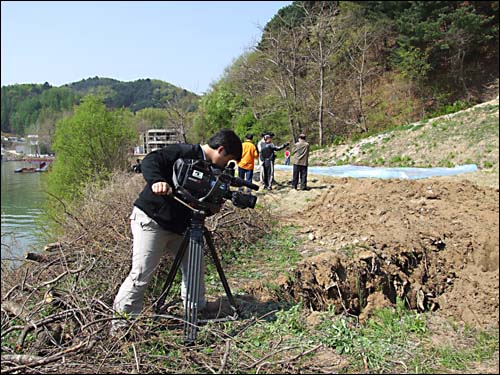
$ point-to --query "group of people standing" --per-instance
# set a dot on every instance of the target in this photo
(265, 152)
(159, 221)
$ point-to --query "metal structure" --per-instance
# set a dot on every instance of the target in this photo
(193, 242)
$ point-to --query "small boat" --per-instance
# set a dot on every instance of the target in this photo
(43, 168)
(25, 170)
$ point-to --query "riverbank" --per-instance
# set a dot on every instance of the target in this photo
(28, 159)
(23, 197)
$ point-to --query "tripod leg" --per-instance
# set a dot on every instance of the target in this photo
(223, 279)
(195, 257)
(171, 275)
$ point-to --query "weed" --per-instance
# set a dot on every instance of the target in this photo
(485, 344)
(401, 161)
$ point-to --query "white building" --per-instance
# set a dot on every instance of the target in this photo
(155, 139)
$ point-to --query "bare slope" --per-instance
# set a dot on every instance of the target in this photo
(465, 137)
(433, 242)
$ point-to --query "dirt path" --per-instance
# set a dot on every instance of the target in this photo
(432, 242)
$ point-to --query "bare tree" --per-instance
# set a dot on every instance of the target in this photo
(358, 57)
(246, 76)
(325, 40)
(282, 47)
(460, 42)
(177, 116)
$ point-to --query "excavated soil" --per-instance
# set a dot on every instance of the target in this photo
(433, 243)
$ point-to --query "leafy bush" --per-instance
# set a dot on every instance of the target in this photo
(90, 145)
(459, 105)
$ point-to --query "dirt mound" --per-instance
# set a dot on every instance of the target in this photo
(432, 243)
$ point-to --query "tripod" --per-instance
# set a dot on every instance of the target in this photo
(193, 242)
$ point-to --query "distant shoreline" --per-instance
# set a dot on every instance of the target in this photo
(29, 159)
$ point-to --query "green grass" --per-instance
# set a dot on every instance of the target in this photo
(389, 342)
(390, 333)
(401, 161)
(392, 340)
(275, 254)
(471, 347)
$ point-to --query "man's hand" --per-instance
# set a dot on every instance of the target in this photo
(161, 188)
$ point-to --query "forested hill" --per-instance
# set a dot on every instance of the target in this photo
(341, 69)
(26, 106)
(335, 70)
(136, 95)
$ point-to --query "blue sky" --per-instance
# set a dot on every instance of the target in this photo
(188, 43)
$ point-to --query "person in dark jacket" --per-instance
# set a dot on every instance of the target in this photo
(137, 166)
(159, 221)
(267, 156)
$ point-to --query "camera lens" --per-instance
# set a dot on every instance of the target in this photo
(241, 200)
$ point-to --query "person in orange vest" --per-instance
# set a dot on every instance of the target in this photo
(247, 162)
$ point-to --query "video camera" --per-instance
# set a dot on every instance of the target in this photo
(204, 186)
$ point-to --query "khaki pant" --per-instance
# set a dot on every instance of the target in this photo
(150, 243)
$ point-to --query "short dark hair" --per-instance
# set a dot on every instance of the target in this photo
(229, 140)
(249, 136)
(265, 132)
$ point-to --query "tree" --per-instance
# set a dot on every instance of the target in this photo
(358, 59)
(178, 118)
(282, 47)
(218, 109)
(151, 118)
(444, 34)
(325, 39)
(89, 146)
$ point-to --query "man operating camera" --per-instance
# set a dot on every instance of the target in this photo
(158, 221)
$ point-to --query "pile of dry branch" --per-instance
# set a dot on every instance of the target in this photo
(56, 306)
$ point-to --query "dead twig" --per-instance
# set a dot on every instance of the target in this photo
(224, 358)
(49, 359)
(66, 210)
(36, 324)
(11, 290)
(136, 359)
(23, 359)
(36, 257)
(270, 355)
(288, 360)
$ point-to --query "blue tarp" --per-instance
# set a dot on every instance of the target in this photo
(383, 172)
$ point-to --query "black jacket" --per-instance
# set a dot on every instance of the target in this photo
(268, 150)
(157, 166)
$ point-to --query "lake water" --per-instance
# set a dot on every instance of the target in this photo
(22, 199)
